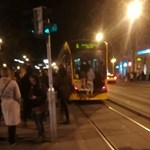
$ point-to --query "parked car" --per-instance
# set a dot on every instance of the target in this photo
(111, 78)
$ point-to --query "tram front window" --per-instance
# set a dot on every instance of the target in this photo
(81, 67)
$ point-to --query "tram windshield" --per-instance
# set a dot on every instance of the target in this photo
(83, 61)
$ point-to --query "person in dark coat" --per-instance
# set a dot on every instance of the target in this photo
(63, 82)
(24, 88)
(44, 78)
(37, 96)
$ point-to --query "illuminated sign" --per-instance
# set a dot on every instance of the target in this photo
(141, 52)
(85, 45)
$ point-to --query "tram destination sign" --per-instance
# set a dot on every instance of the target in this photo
(85, 45)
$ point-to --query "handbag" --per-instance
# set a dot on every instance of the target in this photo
(4, 89)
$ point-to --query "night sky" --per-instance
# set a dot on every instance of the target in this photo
(75, 19)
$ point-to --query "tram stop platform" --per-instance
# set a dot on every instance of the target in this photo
(72, 136)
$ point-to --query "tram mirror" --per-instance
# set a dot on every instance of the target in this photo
(76, 76)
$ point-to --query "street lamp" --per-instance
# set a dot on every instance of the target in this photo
(113, 60)
(99, 37)
(4, 65)
(24, 56)
(1, 43)
(134, 11)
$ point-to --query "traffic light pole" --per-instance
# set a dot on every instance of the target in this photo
(39, 27)
(51, 95)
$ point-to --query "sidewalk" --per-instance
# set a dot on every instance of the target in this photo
(78, 135)
(68, 137)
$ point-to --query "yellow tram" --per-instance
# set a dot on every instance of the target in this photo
(78, 57)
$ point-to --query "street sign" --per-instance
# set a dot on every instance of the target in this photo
(41, 26)
(38, 20)
(38, 13)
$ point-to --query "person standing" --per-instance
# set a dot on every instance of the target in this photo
(90, 80)
(83, 72)
(11, 100)
(24, 88)
(63, 87)
(37, 96)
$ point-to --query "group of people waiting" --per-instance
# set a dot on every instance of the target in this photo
(25, 98)
(136, 76)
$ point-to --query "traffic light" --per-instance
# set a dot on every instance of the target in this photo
(50, 28)
(41, 24)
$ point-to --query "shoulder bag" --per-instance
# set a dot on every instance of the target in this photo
(4, 89)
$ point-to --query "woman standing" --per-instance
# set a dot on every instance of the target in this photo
(11, 99)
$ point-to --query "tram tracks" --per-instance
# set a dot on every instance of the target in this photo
(131, 109)
(129, 118)
(102, 134)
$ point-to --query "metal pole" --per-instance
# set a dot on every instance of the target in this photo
(51, 95)
(106, 57)
(113, 67)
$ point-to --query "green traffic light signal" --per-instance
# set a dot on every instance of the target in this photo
(47, 31)
(54, 28)
(51, 28)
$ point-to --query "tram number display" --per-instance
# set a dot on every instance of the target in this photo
(85, 45)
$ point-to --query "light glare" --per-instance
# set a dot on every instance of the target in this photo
(134, 10)
(99, 37)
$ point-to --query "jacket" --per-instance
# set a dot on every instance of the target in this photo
(11, 100)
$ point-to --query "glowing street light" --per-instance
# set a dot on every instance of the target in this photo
(18, 67)
(24, 56)
(134, 10)
(27, 59)
(113, 60)
(99, 37)
(1, 43)
(4, 65)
